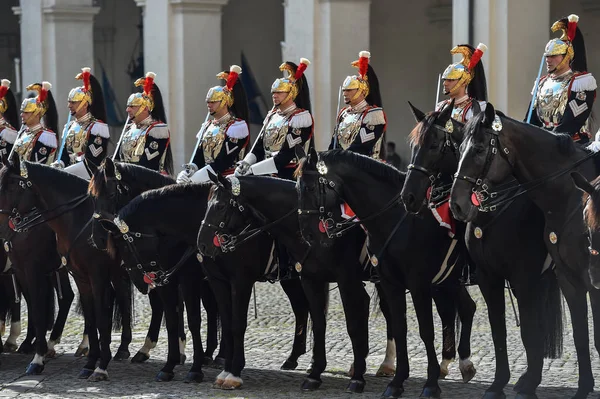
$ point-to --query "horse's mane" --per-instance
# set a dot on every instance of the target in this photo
(417, 136)
(379, 169)
(564, 142)
(172, 191)
(58, 178)
(592, 215)
(140, 174)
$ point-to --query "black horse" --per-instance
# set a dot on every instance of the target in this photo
(496, 147)
(31, 194)
(161, 267)
(238, 209)
(231, 275)
(401, 246)
(517, 225)
(10, 305)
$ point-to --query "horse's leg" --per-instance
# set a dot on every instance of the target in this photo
(294, 292)
(395, 294)
(355, 301)
(446, 308)
(42, 307)
(87, 304)
(182, 339)
(13, 308)
(422, 301)
(317, 294)
(466, 312)
(103, 297)
(156, 307)
(576, 297)
(388, 366)
(65, 296)
(84, 346)
(223, 292)
(212, 321)
(124, 311)
(169, 295)
(595, 302)
(192, 297)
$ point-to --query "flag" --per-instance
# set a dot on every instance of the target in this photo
(256, 101)
(113, 110)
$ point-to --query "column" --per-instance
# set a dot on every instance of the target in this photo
(56, 42)
(182, 45)
(321, 31)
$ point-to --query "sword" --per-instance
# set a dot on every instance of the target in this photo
(337, 112)
(260, 134)
(120, 138)
(201, 134)
(437, 96)
(63, 139)
(535, 89)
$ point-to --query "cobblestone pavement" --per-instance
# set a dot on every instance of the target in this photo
(268, 342)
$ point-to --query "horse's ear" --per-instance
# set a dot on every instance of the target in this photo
(476, 107)
(490, 115)
(214, 178)
(418, 114)
(582, 183)
(299, 150)
(221, 180)
(313, 157)
(109, 167)
(446, 112)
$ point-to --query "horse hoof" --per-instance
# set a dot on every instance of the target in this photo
(310, 384)
(207, 361)
(393, 392)
(50, 354)
(385, 371)
(85, 373)
(582, 394)
(232, 383)
(194, 376)
(289, 365)
(140, 357)
(80, 352)
(494, 395)
(522, 395)
(356, 386)
(34, 369)
(121, 355)
(97, 377)
(164, 376)
(9, 347)
(431, 392)
(182, 358)
(468, 373)
(218, 363)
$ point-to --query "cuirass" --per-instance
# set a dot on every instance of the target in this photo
(275, 132)
(348, 128)
(24, 145)
(76, 139)
(212, 141)
(133, 144)
(552, 99)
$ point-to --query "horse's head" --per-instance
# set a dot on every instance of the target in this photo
(434, 143)
(225, 217)
(485, 161)
(17, 195)
(318, 201)
(591, 217)
(110, 193)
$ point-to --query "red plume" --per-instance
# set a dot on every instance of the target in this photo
(4, 88)
(572, 26)
(363, 63)
(304, 63)
(85, 76)
(477, 54)
(232, 77)
(43, 95)
(149, 83)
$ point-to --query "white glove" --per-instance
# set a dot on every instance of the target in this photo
(183, 177)
(243, 169)
(594, 146)
(58, 164)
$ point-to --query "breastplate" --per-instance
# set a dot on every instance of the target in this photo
(24, 145)
(552, 100)
(133, 144)
(212, 141)
(275, 133)
(348, 128)
(76, 139)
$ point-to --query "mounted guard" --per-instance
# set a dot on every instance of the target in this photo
(85, 142)
(146, 140)
(9, 118)
(37, 142)
(222, 141)
(563, 99)
(288, 124)
(360, 127)
(464, 82)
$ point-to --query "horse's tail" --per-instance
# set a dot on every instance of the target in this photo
(552, 315)
(122, 302)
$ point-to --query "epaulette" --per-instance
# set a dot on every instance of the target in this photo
(374, 116)
(100, 129)
(301, 120)
(238, 129)
(9, 135)
(583, 82)
(48, 139)
(159, 131)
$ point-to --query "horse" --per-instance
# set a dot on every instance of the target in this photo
(112, 187)
(65, 207)
(495, 147)
(435, 141)
(10, 305)
(400, 244)
(231, 275)
(237, 205)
